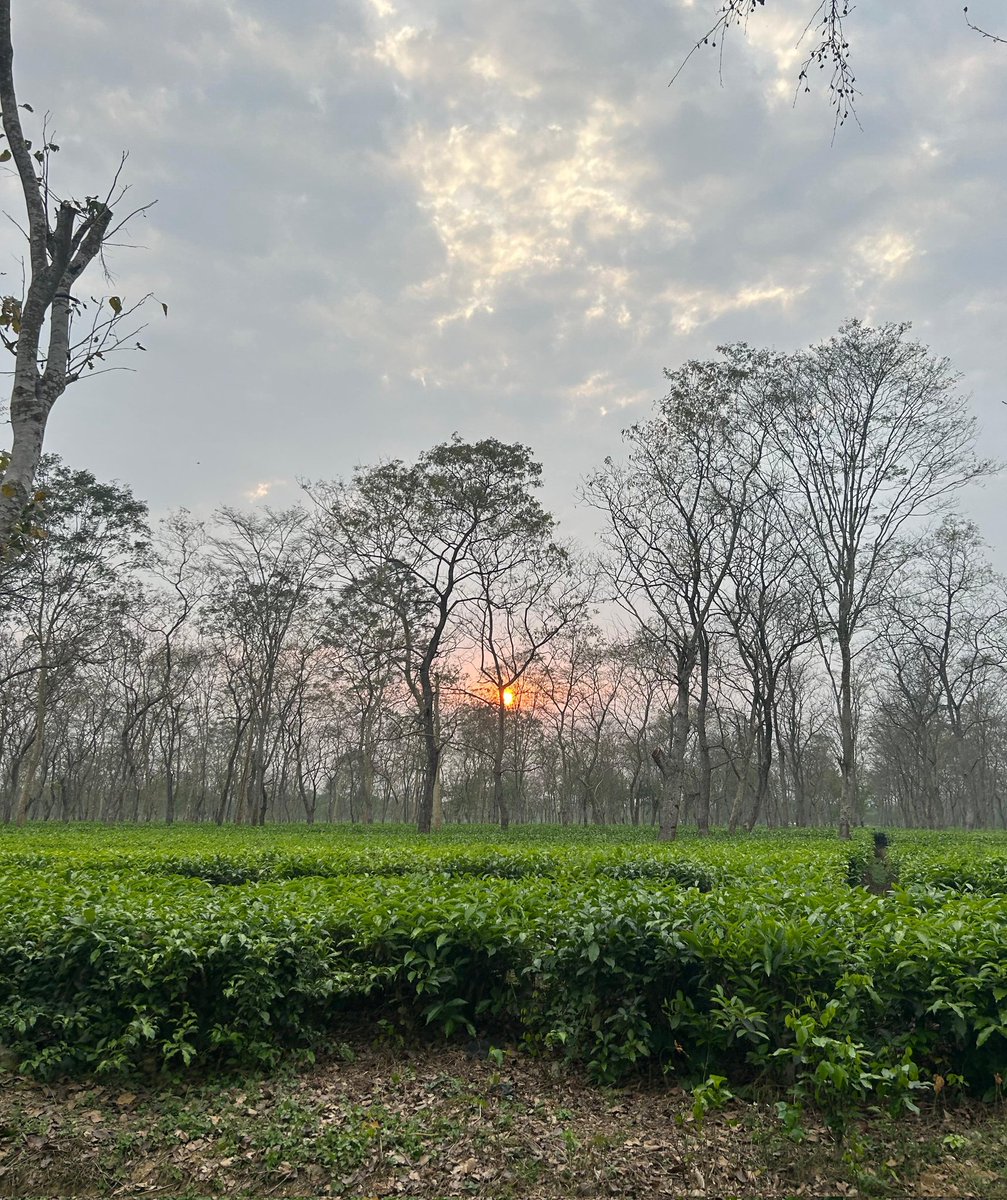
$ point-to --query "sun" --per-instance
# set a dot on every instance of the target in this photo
(507, 697)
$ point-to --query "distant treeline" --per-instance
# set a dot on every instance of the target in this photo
(782, 627)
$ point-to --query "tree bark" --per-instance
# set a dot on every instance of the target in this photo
(431, 752)
(702, 740)
(57, 257)
(672, 767)
(847, 738)
(38, 742)
(499, 742)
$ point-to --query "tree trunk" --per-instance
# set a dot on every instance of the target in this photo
(437, 815)
(499, 798)
(431, 768)
(702, 740)
(431, 752)
(847, 739)
(30, 769)
(672, 767)
(764, 742)
(747, 745)
(367, 784)
(57, 257)
(169, 772)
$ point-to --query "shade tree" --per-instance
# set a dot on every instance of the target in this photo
(871, 435)
(69, 594)
(673, 511)
(265, 596)
(425, 543)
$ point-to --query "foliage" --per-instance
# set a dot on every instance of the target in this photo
(154, 948)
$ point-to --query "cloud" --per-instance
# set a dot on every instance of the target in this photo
(692, 310)
(260, 491)
(887, 253)
(381, 221)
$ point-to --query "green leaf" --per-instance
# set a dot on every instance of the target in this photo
(115, 304)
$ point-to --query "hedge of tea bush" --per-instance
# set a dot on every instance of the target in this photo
(755, 959)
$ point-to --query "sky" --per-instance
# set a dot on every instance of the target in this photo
(380, 222)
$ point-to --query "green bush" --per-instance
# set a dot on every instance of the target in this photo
(744, 959)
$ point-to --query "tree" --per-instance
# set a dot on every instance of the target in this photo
(771, 612)
(519, 614)
(946, 636)
(828, 47)
(64, 237)
(70, 591)
(267, 587)
(642, 701)
(363, 654)
(674, 512)
(423, 542)
(179, 578)
(871, 434)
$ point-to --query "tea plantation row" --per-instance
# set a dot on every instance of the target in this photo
(751, 959)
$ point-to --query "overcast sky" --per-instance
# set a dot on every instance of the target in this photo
(382, 221)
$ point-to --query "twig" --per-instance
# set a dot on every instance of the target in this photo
(993, 37)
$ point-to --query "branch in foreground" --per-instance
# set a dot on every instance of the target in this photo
(993, 37)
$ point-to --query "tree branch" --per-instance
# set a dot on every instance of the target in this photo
(38, 223)
(993, 37)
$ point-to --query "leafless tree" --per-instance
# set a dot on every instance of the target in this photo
(519, 614)
(772, 615)
(64, 237)
(674, 513)
(266, 589)
(67, 599)
(873, 435)
(946, 640)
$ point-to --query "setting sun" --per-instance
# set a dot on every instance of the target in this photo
(507, 697)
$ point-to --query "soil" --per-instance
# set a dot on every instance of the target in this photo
(377, 1120)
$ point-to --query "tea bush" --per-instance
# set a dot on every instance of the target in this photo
(743, 959)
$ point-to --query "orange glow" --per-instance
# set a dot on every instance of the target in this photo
(507, 697)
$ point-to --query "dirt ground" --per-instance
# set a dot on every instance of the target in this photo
(379, 1121)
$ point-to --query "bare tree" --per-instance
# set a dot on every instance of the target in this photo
(64, 237)
(519, 614)
(577, 689)
(946, 647)
(179, 579)
(268, 581)
(674, 513)
(70, 592)
(771, 613)
(360, 638)
(873, 434)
